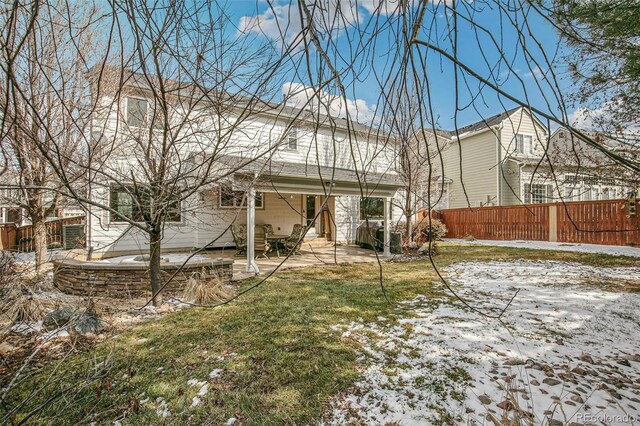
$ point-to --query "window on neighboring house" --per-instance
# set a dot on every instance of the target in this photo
(524, 144)
(134, 205)
(537, 193)
(371, 208)
(230, 199)
(292, 139)
(569, 192)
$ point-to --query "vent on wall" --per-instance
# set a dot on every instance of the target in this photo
(73, 236)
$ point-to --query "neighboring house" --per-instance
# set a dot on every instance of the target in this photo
(585, 173)
(10, 212)
(505, 161)
(490, 162)
(294, 157)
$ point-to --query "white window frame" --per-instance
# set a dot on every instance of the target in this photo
(546, 195)
(148, 117)
(293, 137)
(521, 147)
(129, 98)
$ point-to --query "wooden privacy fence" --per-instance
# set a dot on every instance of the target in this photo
(20, 238)
(592, 222)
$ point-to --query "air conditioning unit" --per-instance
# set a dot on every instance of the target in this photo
(73, 236)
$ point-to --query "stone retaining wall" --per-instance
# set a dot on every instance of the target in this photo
(88, 278)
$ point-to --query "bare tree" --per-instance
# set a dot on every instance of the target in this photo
(177, 95)
(42, 98)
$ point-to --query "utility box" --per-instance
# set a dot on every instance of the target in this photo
(73, 236)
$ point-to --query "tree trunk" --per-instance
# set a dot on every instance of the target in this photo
(155, 274)
(39, 242)
(409, 214)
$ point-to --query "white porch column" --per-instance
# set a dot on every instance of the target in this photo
(387, 227)
(251, 230)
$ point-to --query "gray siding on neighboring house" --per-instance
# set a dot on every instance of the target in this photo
(510, 188)
(479, 170)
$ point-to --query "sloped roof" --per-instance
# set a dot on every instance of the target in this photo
(487, 122)
(473, 127)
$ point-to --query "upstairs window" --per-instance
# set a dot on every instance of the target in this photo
(292, 139)
(136, 112)
(140, 115)
(524, 144)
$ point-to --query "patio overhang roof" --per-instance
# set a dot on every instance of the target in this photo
(296, 178)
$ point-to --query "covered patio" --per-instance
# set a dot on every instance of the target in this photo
(301, 185)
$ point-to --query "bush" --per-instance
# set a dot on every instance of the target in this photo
(428, 230)
(205, 289)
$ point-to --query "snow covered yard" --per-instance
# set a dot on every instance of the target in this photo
(567, 350)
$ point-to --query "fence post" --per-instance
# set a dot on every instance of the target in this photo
(553, 223)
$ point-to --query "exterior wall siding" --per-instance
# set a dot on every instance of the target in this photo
(203, 221)
(479, 170)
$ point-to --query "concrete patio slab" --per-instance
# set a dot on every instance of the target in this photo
(309, 257)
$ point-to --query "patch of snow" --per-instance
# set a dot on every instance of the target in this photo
(195, 401)
(26, 328)
(204, 386)
(565, 349)
(203, 390)
(215, 373)
(559, 246)
(60, 333)
(162, 408)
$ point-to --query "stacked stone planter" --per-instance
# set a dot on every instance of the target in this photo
(104, 278)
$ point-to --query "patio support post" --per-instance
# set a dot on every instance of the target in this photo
(251, 230)
(387, 227)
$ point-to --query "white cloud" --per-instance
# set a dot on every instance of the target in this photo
(300, 95)
(276, 23)
(383, 7)
(536, 72)
(282, 22)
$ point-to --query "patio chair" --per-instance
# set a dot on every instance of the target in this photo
(239, 233)
(293, 243)
(268, 229)
(261, 245)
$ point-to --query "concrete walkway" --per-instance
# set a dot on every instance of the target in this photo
(309, 257)
(546, 245)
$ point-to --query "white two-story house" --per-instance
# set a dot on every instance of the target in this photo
(274, 164)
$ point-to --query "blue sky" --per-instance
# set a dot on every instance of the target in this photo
(526, 80)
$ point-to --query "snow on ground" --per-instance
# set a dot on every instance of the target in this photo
(566, 351)
(547, 245)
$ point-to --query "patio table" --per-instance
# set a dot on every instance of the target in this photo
(276, 239)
